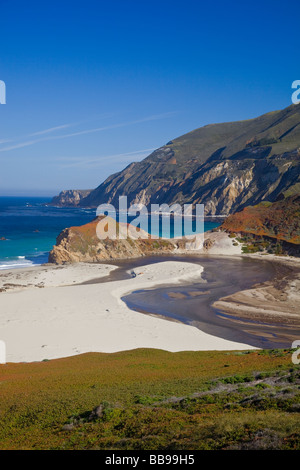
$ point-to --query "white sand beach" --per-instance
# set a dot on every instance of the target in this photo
(52, 276)
(48, 315)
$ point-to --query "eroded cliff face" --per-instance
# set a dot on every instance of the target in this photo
(223, 186)
(81, 244)
(70, 197)
(223, 166)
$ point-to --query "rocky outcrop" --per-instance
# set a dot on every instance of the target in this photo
(208, 244)
(81, 244)
(70, 197)
(224, 166)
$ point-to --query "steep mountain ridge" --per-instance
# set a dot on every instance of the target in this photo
(225, 166)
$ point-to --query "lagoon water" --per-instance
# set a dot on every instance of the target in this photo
(192, 302)
(30, 229)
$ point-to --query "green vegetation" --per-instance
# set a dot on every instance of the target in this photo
(252, 244)
(152, 399)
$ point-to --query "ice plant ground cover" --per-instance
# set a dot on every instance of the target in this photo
(152, 399)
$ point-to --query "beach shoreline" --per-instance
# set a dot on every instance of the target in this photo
(54, 322)
(72, 314)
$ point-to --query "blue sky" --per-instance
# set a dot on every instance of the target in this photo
(94, 85)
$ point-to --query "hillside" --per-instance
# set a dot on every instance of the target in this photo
(225, 166)
(152, 400)
(279, 220)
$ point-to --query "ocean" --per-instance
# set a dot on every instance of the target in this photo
(29, 229)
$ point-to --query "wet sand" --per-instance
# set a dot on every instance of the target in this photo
(225, 278)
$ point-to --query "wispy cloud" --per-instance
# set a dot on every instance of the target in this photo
(65, 126)
(97, 161)
(19, 145)
(122, 124)
(52, 129)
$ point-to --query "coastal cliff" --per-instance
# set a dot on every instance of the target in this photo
(81, 244)
(70, 197)
(248, 170)
(224, 166)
